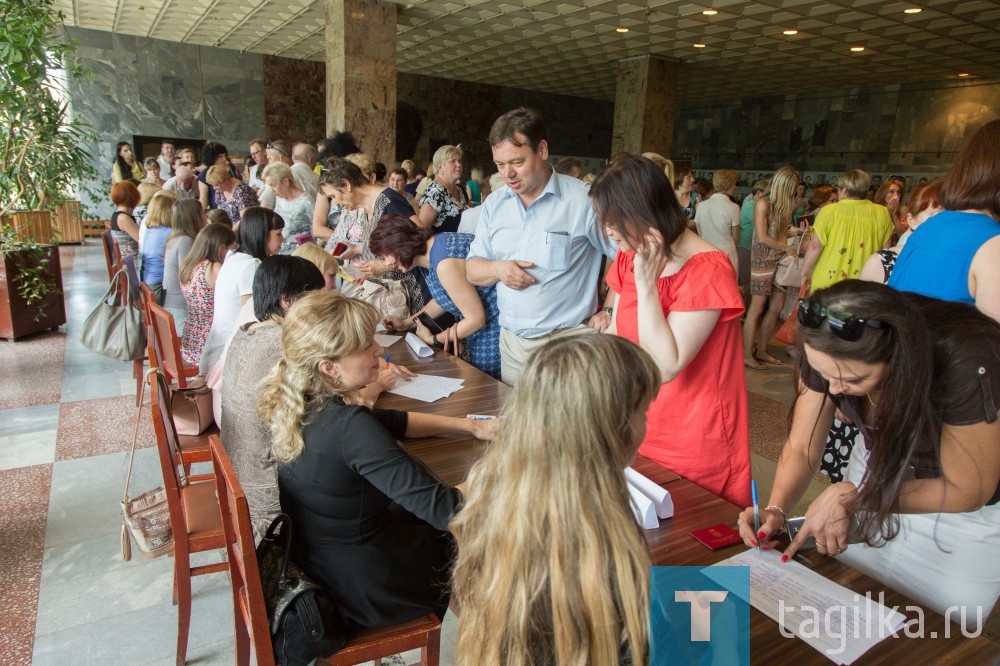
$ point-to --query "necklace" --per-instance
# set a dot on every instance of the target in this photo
(870, 401)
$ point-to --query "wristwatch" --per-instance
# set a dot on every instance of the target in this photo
(434, 339)
(610, 311)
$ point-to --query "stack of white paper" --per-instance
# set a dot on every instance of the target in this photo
(386, 340)
(837, 622)
(418, 346)
(650, 501)
(427, 388)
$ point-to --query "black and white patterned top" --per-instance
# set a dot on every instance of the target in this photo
(448, 209)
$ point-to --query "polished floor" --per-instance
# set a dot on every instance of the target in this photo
(66, 424)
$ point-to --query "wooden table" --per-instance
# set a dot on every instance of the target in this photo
(450, 457)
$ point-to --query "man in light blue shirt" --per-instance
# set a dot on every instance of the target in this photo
(539, 241)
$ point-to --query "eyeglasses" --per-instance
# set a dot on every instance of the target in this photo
(271, 146)
(844, 325)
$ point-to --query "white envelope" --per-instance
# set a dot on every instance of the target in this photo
(418, 346)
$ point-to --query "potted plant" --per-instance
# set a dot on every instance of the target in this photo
(42, 154)
(30, 286)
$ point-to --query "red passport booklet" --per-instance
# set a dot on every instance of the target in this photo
(717, 536)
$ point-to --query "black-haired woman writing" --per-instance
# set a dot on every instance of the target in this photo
(922, 378)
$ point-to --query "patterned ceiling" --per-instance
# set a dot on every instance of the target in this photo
(572, 47)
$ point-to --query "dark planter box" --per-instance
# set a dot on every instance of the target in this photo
(17, 318)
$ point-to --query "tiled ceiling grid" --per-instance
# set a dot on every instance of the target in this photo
(572, 47)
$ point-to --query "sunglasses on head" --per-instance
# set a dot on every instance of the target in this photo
(276, 149)
(844, 325)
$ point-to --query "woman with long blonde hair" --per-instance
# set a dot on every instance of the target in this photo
(772, 218)
(552, 567)
(370, 522)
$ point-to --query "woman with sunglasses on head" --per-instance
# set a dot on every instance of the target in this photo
(922, 378)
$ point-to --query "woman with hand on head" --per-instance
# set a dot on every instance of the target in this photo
(125, 166)
(370, 522)
(441, 260)
(771, 222)
(890, 194)
(676, 295)
(920, 503)
(444, 199)
(198, 275)
(552, 567)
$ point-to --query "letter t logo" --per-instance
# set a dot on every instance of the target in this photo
(701, 612)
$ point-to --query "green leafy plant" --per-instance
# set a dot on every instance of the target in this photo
(42, 154)
(34, 279)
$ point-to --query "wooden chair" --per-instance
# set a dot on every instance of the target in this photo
(194, 510)
(167, 346)
(112, 255)
(248, 598)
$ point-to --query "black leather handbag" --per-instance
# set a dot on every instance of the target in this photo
(303, 619)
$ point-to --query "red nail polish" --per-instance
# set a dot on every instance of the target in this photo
(765, 548)
(784, 558)
(754, 542)
(761, 535)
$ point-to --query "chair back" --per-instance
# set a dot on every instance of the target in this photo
(111, 253)
(248, 596)
(166, 344)
(168, 449)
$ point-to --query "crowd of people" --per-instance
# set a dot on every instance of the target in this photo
(277, 300)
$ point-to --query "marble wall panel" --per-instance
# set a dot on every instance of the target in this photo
(150, 87)
(901, 127)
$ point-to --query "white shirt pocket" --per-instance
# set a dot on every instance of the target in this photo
(556, 252)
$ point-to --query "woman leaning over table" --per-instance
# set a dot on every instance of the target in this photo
(771, 219)
(293, 204)
(552, 568)
(676, 295)
(370, 522)
(922, 492)
(444, 200)
(441, 259)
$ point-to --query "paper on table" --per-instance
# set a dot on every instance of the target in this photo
(839, 623)
(642, 508)
(654, 491)
(418, 346)
(386, 340)
(427, 388)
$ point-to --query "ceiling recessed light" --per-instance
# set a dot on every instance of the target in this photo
(913, 10)
(857, 49)
(710, 12)
(964, 74)
(790, 32)
(622, 29)
(699, 46)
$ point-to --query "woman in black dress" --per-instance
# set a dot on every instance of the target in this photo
(370, 522)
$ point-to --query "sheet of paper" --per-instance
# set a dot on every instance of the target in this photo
(427, 388)
(839, 623)
(418, 346)
(654, 491)
(387, 340)
(642, 508)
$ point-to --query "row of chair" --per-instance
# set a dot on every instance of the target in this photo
(209, 511)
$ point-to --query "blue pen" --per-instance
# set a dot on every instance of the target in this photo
(756, 514)
(387, 360)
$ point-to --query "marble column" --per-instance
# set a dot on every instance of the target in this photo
(361, 74)
(645, 103)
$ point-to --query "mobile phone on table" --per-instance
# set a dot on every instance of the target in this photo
(427, 321)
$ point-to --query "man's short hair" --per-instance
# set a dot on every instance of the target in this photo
(304, 152)
(171, 142)
(856, 182)
(526, 122)
(566, 164)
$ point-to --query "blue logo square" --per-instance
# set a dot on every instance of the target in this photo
(699, 615)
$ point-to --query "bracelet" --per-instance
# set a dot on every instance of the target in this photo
(776, 508)
(434, 339)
